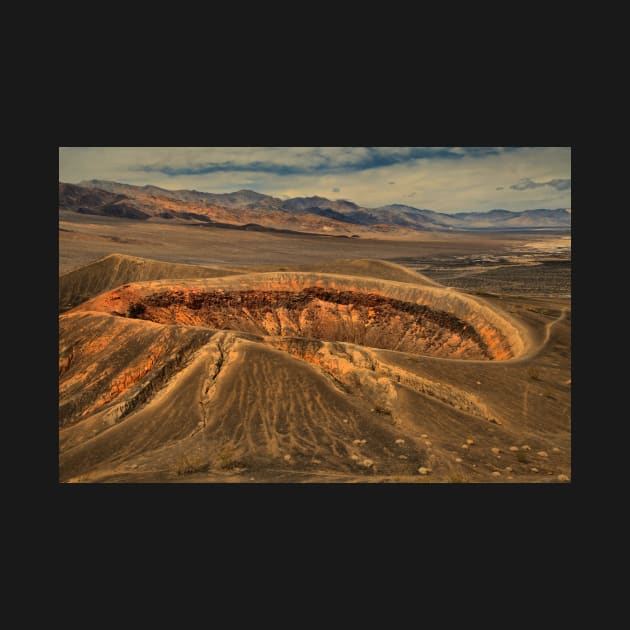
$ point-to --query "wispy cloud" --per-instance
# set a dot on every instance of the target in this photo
(319, 160)
(528, 184)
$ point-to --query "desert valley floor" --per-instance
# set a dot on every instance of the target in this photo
(199, 354)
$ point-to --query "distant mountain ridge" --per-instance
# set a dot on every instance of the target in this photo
(313, 213)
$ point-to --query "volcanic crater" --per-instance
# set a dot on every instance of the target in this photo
(350, 371)
(428, 321)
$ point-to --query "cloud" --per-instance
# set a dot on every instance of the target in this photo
(336, 190)
(310, 160)
(217, 167)
(528, 184)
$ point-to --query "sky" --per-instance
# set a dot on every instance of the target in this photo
(444, 179)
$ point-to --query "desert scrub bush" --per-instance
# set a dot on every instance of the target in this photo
(136, 310)
(226, 457)
(458, 478)
(380, 409)
(549, 394)
(186, 465)
(533, 373)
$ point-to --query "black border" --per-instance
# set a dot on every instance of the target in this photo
(404, 508)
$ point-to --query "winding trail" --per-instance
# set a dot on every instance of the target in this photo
(551, 324)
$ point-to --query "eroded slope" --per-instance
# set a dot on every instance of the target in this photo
(166, 395)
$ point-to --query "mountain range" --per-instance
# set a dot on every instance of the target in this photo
(247, 209)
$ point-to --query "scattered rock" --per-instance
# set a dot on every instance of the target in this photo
(356, 441)
(542, 454)
(534, 470)
(402, 457)
(510, 477)
(508, 468)
(495, 421)
(525, 447)
(287, 458)
(474, 465)
(399, 441)
(459, 460)
(428, 443)
(134, 465)
(367, 463)
(562, 478)
(550, 472)
(555, 449)
(496, 473)
(469, 441)
(424, 471)
(354, 457)
(251, 479)
(424, 435)
(464, 445)
(495, 450)
(478, 382)
(345, 420)
(514, 448)
(316, 461)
